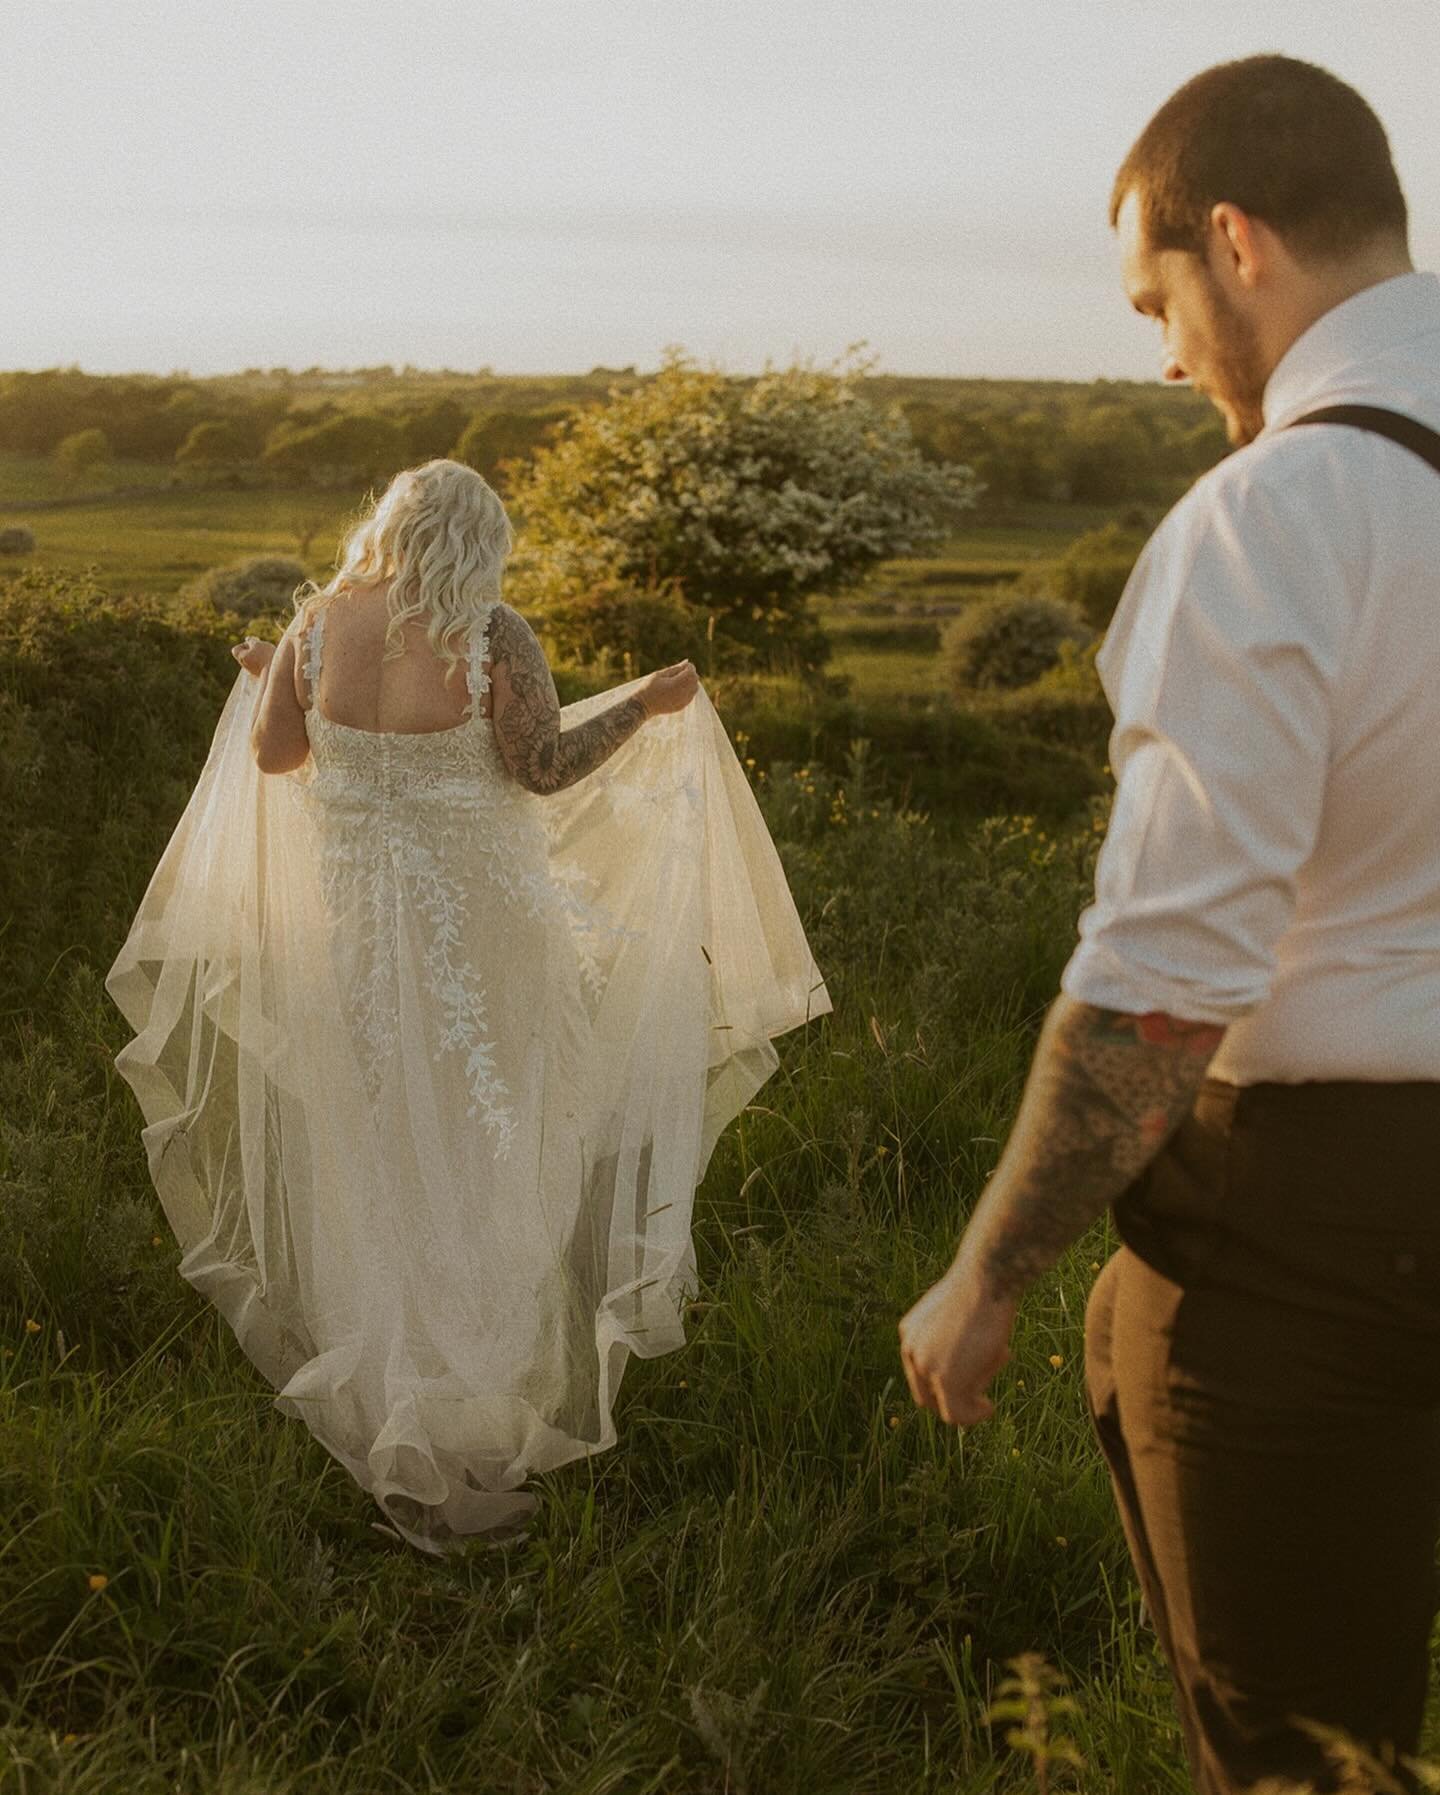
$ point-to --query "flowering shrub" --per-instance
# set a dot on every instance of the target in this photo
(749, 495)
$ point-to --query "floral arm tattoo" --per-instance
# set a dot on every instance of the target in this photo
(1106, 1090)
(526, 715)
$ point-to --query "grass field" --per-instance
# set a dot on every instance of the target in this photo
(158, 539)
(158, 542)
(784, 1580)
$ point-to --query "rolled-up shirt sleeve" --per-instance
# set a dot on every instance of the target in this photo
(1220, 668)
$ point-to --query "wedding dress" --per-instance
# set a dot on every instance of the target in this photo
(430, 1067)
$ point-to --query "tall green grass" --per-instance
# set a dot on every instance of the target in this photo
(784, 1577)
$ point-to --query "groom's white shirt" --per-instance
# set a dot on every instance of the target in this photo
(1273, 858)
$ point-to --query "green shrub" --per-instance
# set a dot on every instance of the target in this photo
(1009, 640)
(1092, 572)
(950, 761)
(257, 585)
(1065, 707)
(492, 440)
(617, 624)
(82, 450)
(218, 445)
(340, 450)
(107, 707)
(17, 540)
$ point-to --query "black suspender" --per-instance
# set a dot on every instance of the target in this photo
(1406, 431)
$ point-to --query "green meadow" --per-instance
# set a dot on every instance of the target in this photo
(784, 1578)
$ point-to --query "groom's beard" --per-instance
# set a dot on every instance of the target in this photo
(1236, 374)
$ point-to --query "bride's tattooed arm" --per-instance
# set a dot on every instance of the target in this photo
(1106, 1090)
(526, 713)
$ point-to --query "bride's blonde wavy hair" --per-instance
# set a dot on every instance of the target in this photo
(441, 536)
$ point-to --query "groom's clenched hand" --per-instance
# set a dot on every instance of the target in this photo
(1105, 1092)
(953, 1342)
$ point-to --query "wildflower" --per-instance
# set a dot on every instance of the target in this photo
(1057, 1359)
(894, 1422)
(1014, 1452)
(31, 1327)
(881, 1151)
(1060, 1540)
(70, 1738)
(1019, 1383)
(98, 1580)
(156, 1241)
(1094, 1265)
(684, 1383)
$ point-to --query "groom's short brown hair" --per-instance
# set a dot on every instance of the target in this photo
(1285, 141)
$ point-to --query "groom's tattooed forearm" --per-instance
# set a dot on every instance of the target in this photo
(542, 756)
(1105, 1092)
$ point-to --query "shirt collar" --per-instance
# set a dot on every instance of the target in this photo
(1369, 323)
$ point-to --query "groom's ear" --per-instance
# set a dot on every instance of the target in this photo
(1239, 250)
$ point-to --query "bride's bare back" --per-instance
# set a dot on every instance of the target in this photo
(414, 693)
(353, 685)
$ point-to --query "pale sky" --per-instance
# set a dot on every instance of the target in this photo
(543, 185)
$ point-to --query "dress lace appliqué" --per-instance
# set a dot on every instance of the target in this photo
(405, 823)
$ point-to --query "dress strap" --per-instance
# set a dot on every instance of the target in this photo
(313, 643)
(477, 674)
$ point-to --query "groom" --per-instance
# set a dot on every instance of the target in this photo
(1245, 1058)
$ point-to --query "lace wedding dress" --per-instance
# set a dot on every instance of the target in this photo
(430, 1067)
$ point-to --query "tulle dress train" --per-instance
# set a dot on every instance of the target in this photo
(430, 1067)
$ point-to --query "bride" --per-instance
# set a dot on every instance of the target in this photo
(441, 996)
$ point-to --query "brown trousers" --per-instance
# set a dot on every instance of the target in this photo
(1263, 1372)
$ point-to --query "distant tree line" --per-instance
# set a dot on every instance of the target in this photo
(1105, 443)
(1102, 443)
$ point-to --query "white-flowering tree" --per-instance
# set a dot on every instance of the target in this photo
(745, 497)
